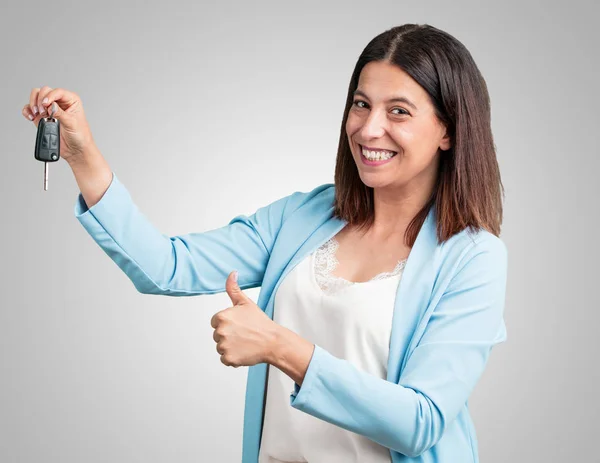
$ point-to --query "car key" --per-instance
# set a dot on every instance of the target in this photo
(47, 143)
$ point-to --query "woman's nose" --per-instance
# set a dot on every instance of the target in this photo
(374, 126)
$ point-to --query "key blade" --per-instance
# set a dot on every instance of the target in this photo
(45, 176)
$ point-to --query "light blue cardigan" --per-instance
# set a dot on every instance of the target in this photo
(448, 315)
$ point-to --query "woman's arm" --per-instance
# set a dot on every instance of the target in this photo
(92, 174)
(410, 417)
(183, 265)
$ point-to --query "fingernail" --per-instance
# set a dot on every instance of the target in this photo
(30, 117)
(45, 100)
(235, 276)
(35, 110)
(52, 109)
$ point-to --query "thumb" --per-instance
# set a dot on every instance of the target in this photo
(55, 111)
(52, 110)
(66, 119)
(62, 104)
(235, 293)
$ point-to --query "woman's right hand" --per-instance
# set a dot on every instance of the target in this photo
(75, 134)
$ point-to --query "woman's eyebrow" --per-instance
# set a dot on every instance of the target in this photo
(401, 99)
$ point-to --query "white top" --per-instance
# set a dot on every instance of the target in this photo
(351, 320)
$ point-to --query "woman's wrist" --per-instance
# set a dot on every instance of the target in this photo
(290, 353)
(89, 156)
(92, 174)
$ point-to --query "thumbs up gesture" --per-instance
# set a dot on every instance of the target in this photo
(244, 334)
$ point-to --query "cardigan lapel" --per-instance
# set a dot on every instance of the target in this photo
(302, 233)
(328, 229)
(412, 296)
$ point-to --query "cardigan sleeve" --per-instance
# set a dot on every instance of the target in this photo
(183, 265)
(410, 417)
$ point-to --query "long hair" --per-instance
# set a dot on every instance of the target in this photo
(468, 192)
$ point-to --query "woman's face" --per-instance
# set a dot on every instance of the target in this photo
(408, 128)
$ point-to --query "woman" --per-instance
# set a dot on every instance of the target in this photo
(382, 294)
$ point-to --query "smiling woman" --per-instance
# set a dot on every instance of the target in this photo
(416, 91)
(396, 355)
(380, 125)
(383, 294)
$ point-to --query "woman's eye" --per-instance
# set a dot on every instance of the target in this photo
(403, 111)
(358, 103)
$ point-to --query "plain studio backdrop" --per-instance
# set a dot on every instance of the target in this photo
(207, 111)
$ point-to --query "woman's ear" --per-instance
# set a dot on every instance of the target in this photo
(446, 142)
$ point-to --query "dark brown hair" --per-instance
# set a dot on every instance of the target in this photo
(468, 192)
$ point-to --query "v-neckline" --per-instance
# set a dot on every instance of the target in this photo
(333, 244)
(329, 284)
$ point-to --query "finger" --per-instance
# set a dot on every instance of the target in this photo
(219, 317)
(40, 98)
(28, 113)
(220, 349)
(33, 101)
(63, 98)
(213, 321)
(36, 118)
(216, 336)
(227, 362)
(53, 109)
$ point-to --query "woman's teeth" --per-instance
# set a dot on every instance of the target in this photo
(377, 155)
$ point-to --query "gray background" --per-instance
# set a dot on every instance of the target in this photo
(206, 111)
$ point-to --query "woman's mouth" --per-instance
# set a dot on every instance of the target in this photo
(378, 158)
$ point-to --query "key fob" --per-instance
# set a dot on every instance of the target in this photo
(47, 141)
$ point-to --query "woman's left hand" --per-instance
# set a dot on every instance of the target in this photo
(244, 334)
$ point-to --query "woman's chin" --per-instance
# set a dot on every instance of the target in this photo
(375, 180)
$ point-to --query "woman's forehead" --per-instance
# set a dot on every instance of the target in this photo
(384, 81)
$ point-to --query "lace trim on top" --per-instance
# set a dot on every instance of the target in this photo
(326, 262)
